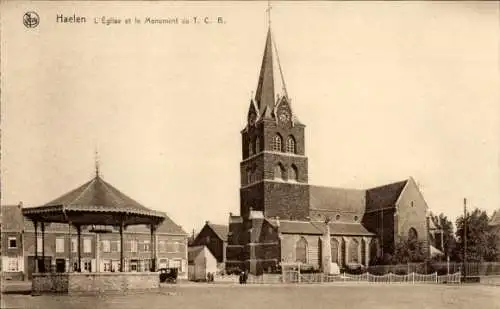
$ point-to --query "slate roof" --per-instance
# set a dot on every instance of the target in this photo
(220, 230)
(337, 200)
(98, 195)
(11, 218)
(384, 196)
(318, 228)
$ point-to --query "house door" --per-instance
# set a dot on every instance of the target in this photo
(60, 265)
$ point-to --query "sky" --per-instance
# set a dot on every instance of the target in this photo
(387, 90)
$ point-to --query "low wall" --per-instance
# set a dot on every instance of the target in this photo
(68, 283)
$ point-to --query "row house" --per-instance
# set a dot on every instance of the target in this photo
(100, 247)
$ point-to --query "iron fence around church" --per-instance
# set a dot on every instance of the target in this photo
(442, 268)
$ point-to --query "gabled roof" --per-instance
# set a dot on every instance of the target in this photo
(220, 230)
(332, 201)
(193, 252)
(384, 196)
(11, 218)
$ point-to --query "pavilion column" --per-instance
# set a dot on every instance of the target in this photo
(35, 264)
(153, 248)
(78, 247)
(121, 246)
(70, 249)
(43, 247)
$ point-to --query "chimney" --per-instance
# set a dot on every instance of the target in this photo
(230, 214)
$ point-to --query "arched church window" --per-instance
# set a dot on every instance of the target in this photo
(249, 176)
(290, 144)
(301, 250)
(412, 234)
(279, 171)
(353, 251)
(334, 244)
(293, 173)
(277, 141)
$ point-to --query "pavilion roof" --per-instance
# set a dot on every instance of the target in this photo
(100, 201)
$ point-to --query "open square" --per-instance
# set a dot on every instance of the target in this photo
(351, 295)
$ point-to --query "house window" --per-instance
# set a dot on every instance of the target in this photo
(59, 245)
(87, 245)
(337, 217)
(106, 246)
(277, 143)
(161, 246)
(174, 264)
(290, 145)
(39, 242)
(87, 266)
(171, 247)
(146, 246)
(12, 242)
(12, 264)
(279, 171)
(301, 250)
(180, 247)
(74, 245)
(292, 174)
(133, 246)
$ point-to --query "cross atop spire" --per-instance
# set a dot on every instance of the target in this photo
(268, 10)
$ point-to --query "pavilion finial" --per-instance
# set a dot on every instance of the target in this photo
(96, 163)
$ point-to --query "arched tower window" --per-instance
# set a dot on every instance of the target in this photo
(257, 145)
(251, 148)
(301, 250)
(353, 251)
(249, 176)
(279, 171)
(293, 173)
(277, 141)
(290, 145)
(334, 244)
(412, 234)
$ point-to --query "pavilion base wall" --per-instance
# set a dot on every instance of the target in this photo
(76, 283)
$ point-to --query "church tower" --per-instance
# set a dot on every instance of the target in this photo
(274, 169)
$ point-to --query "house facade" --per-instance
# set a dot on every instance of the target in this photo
(214, 237)
(99, 248)
(284, 219)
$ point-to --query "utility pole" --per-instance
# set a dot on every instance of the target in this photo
(465, 237)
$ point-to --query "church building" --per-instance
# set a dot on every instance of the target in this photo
(284, 219)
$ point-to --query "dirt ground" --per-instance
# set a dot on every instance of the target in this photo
(373, 296)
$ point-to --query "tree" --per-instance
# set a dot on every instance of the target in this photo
(481, 240)
(448, 242)
(409, 250)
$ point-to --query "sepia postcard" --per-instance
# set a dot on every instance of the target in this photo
(250, 154)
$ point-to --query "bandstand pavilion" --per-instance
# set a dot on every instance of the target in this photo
(100, 207)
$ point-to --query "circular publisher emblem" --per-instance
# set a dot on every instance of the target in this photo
(31, 19)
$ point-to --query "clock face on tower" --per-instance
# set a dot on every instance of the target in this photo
(284, 116)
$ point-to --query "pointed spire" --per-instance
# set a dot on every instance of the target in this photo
(271, 83)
